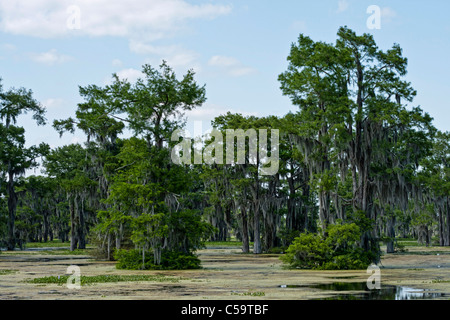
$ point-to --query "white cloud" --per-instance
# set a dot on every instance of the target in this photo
(51, 57)
(140, 47)
(77, 140)
(222, 61)
(388, 13)
(230, 65)
(143, 19)
(175, 55)
(8, 47)
(117, 63)
(130, 74)
(52, 103)
(209, 111)
(342, 6)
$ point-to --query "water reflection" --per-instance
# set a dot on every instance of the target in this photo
(359, 291)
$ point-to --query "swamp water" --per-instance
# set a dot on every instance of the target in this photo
(359, 291)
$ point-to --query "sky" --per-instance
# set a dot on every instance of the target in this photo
(237, 49)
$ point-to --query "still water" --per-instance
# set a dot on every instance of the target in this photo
(359, 291)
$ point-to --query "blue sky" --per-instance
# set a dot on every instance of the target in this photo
(237, 48)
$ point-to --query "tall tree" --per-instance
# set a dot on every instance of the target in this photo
(351, 97)
(68, 164)
(15, 158)
(154, 106)
(434, 178)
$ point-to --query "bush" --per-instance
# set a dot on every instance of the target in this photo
(277, 250)
(308, 251)
(173, 260)
(170, 260)
(131, 259)
(399, 247)
(338, 251)
(354, 260)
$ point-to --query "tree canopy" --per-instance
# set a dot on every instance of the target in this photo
(354, 165)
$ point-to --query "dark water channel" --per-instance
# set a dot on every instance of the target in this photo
(359, 291)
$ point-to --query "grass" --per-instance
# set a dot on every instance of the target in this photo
(440, 281)
(252, 294)
(225, 243)
(88, 280)
(410, 243)
(54, 243)
(76, 252)
(7, 271)
(424, 253)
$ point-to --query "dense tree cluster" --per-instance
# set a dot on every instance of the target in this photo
(354, 159)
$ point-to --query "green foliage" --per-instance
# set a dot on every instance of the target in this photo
(337, 251)
(175, 260)
(308, 251)
(354, 151)
(3, 220)
(288, 236)
(76, 252)
(89, 280)
(251, 294)
(400, 247)
(170, 260)
(189, 231)
(343, 236)
(8, 272)
(359, 218)
(131, 259)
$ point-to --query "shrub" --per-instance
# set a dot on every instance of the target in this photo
(399, 247)
(174, 260)
(353, 260)
(339, 250)
(308, 251)
(277, 250)
(131, 259)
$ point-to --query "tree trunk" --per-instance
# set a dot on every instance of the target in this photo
(81, 227)
(73, 242)
(447, 236)
(257, 230)
(441, 228)
(108, 247)
(119, 237)
(324, 210)
(46, 226)
(143, 258)
(291, 218)
(391, 235)
(245, 242)
(12, 204)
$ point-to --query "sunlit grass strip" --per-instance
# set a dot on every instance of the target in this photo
(440, 281)
(50, 244)
(87, 280)
(252, 294)
(225, 243)
(76, 252)
(7, 271)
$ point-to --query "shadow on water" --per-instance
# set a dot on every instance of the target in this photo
(359, 291)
